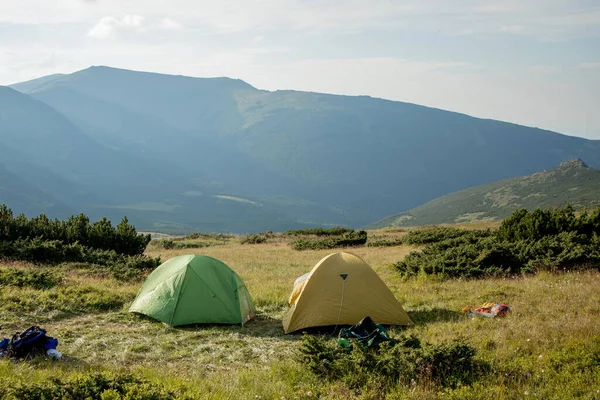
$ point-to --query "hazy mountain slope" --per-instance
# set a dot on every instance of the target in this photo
(25, 198)
(211, 160)
(572, 182)
(370, 153)
(354, 159)
(201, 105)
(49, 140)
(53, 155)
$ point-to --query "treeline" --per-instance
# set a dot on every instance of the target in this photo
(526, 242)
(350, 238)
(101, 235)
(43, 240)
(335, 231)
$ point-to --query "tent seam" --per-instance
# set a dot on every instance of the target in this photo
(179, 294)
(208, 286)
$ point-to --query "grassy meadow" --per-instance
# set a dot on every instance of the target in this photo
(548, 347)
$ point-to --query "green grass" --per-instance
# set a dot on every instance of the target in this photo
(548, 347)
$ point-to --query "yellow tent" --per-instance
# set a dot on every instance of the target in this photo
(341, 289)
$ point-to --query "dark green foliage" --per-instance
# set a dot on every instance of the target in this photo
(34, 279)
(335, 231)
(168, 244)
(95, 386)
(214, 236)
(446, 364)
(385, 242)
(524, 225)
(37, 250)
(191, 241)
(253, 239)
(438, 234)
(257, 238)
(43, 241)
(76, 230)
(524, 243)
(350, 239)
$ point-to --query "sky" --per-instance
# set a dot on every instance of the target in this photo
(533, 62)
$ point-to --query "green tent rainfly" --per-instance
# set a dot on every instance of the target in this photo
(194, 289)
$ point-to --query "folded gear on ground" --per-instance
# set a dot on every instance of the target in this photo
(488, 309)
(367, 333)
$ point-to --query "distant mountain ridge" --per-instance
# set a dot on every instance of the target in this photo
(572, 182)
(174, 151)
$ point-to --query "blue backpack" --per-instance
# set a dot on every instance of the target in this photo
(30, 343)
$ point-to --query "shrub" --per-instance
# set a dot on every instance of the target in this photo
(354, 238)
(257, 238)
(253, 239)
(34, 279)
(439, 234)
(385, 242)
(93, 386)
(38, 251)
(525, 243)
(213, 236)
(335, 231)
(101, 235)
(446, 364)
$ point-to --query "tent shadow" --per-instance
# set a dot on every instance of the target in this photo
(260, 326)
(422, 317)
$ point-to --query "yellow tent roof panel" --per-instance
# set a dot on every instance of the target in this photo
(342, 289)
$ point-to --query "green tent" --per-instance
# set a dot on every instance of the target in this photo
(193, 289)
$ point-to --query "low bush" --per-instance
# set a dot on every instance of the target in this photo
(169, 244)
(208, 236)
(385, 242)
(439, 234)
(516, 248)
(39, 280)
(335, 231)
(406, 363)
(39, 251)
(253, 239)
(78, 229)
(257, 238)
(95, 386)
(351, 239)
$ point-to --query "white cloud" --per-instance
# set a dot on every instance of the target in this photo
(545, 69)
(589, 65)
(108, 26)
(168, 23)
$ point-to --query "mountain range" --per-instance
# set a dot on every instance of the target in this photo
(572, 182)
(177, 153)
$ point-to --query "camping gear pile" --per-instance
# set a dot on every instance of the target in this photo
(28, 344)
(489, 310)
(366, 333)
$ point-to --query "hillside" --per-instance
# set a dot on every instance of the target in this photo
(572, 182)
(30, 199)
(308, 159)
